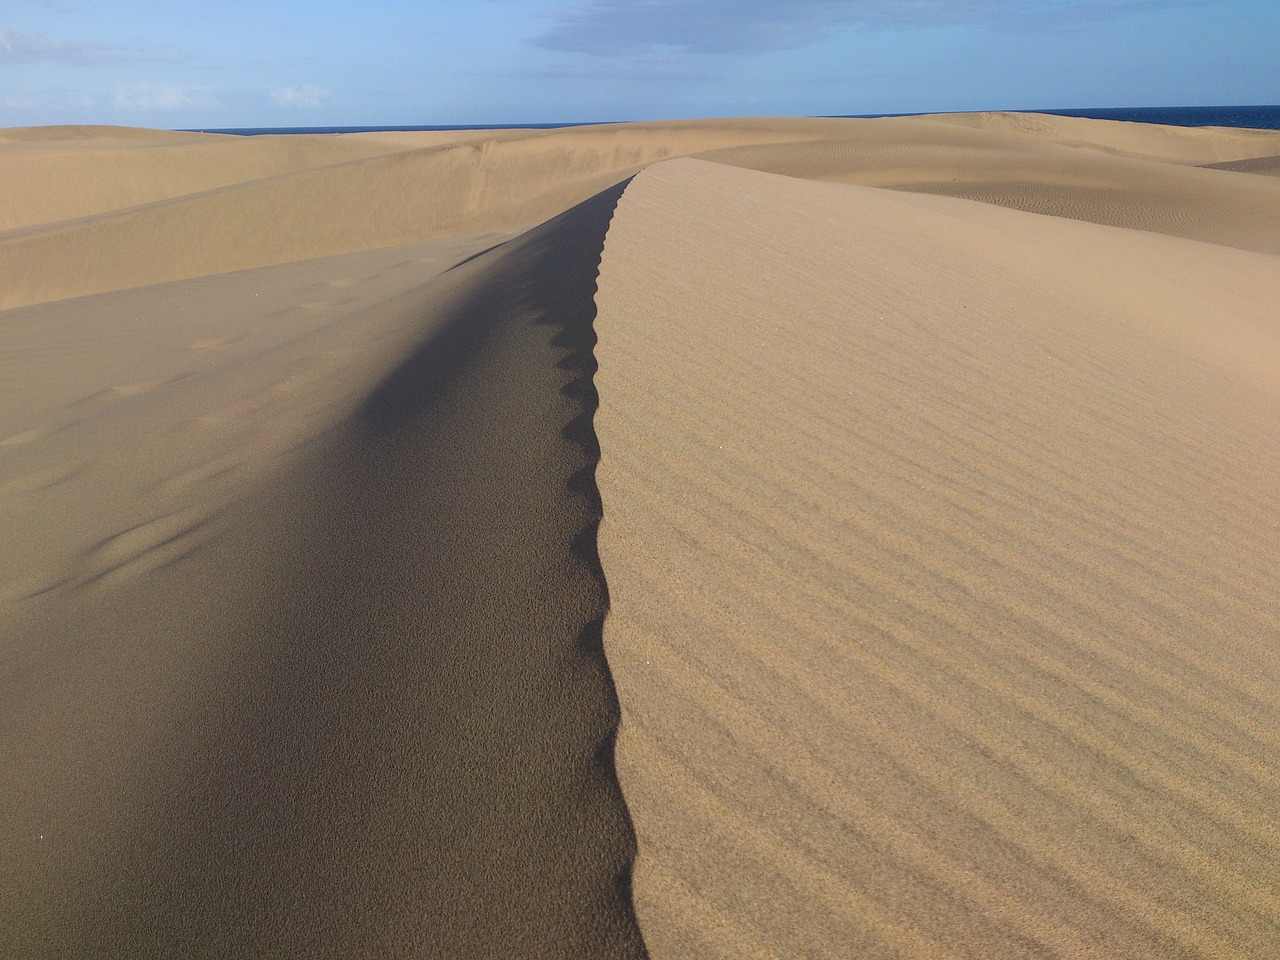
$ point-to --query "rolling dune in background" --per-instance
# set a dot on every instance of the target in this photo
(930, 543)
(183, 207)
(398, 195)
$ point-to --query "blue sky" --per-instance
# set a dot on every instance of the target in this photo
(238, 63)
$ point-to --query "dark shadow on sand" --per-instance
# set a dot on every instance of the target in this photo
(409, 749)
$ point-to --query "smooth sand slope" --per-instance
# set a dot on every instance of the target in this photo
(70, 172)
(1121, 174)
(942, 545)
(940, 540)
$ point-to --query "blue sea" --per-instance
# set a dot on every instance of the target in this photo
(1259, 117)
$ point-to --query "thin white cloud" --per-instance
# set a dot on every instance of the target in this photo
(52, 99)
(18, 46)
(591, 71)
(301, 95)
(156, 96)
(632, 27)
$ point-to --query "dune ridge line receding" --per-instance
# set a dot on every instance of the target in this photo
(389, 720)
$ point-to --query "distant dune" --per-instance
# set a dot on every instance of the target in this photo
(689, 539)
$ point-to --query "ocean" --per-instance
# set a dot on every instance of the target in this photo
(1257, 117)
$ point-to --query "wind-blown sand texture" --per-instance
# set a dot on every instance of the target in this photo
(691, 539)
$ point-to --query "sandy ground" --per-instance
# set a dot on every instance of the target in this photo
(932, 611)
(942, 570)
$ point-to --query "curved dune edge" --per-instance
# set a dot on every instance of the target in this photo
(941, 550)
(362, 709)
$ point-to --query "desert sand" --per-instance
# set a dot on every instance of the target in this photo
(739, 538)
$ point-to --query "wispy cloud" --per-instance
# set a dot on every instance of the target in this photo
(18, 46)
(631, 27)
(158, 96)
(46, 100)
(301, 95)
(47, 4)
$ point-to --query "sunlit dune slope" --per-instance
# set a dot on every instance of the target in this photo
(1016, 164)
(941, 541)
(1150, 140)
(64, 173)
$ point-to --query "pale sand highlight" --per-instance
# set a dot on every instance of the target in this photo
(941, 541)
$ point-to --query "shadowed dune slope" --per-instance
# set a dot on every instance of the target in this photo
(1267, 166)
(942, 547)
(363, 710)
(149, 409)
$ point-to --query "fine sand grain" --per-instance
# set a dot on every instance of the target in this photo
(938, 546)
(941, 542)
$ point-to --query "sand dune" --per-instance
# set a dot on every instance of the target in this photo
(941, 547)
(193, 205)
(1149, 140)
(174, 398)
(1081, 181)
(396, 196)
(361, 709)
(68, 173)
(938, 541)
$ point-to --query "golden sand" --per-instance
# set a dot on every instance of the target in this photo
(901, 582)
